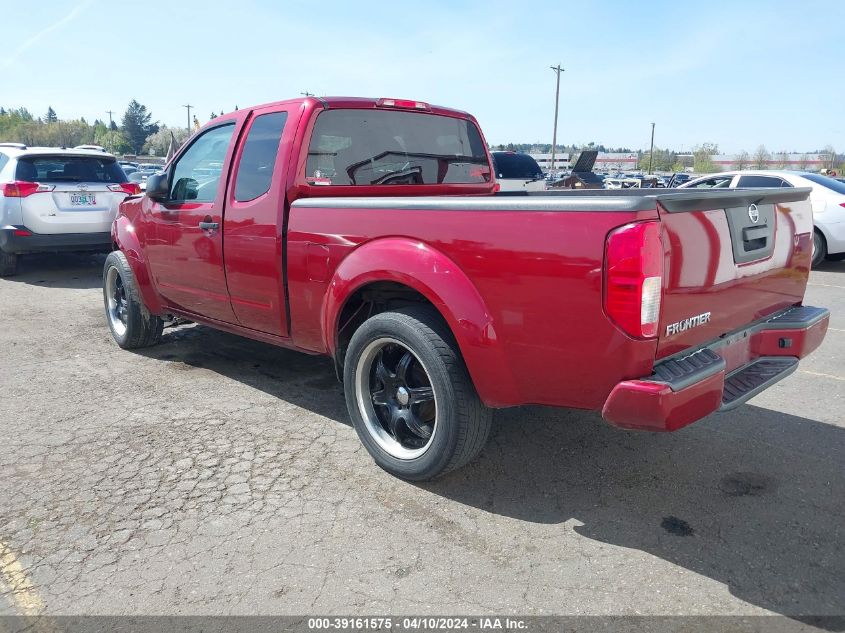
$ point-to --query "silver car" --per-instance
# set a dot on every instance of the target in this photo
(55, 199)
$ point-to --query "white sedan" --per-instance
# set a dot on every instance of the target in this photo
(827, 199)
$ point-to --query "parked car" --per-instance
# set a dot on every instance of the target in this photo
(438, 300)
(517, 172)
(827, 199)
(140, 178)
(150, 168)
(54, 199)
(678, 178)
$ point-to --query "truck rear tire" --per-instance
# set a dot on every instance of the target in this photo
(410, 397)
(131, 325)
(8, 263)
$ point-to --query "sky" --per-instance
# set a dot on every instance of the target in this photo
(738, 74)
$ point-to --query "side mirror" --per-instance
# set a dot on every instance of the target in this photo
(158, 187)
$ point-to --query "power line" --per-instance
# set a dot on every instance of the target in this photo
(651, 151)
(189, 106)
(557, 70)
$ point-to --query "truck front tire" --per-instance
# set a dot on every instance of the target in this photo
(131, 325)
(410, 397)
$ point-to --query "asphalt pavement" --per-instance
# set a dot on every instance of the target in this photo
(216, 475)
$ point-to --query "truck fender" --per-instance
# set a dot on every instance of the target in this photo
(441, 281)
(126, 240)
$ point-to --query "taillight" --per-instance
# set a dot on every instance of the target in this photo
(402, 103)
(634, 278)
(129, 188)
(20, 189)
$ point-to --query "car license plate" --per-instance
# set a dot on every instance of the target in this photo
(83, 199)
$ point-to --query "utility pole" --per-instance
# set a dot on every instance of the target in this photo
(189, 117)
(557, 70)
(307, 94)
(651, 152)
(109, 112)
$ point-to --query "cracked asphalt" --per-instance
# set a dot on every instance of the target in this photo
(216, 475)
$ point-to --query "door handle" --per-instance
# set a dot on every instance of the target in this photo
(209, 226)
(751, 233)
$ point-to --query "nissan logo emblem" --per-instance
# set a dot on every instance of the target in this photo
(753, 213)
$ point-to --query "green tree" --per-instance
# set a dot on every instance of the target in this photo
(703, 158)
(662, 161)
(137, 125)
(761, 157)
(50, 117)
(830, 159)
(159, 142)
(112, 140)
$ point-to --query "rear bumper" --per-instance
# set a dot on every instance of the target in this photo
(15, 239)
(720, 376)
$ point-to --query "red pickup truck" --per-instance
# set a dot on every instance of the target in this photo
(371, 231)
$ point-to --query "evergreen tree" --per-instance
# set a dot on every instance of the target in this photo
(50, 117)
(137, 125)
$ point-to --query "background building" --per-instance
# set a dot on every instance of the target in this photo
(606, 161)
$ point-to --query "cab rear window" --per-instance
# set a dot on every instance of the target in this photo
(68, 169)
(380, 147)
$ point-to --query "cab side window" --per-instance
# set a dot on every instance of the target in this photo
(762, 181)
(197, 172)
(258, 160)
(717, 182)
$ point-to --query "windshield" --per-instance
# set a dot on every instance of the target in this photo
(69, 169)
(385, 147)
(511, 165)
(824, 181)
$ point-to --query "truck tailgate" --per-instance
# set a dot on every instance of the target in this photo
(732, 258)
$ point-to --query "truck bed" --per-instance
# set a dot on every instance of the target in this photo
(536, 262)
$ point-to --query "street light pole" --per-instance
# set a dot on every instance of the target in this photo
(189, 117)
(651, 151)
(557, 70)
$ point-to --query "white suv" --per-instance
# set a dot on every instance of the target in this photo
(827, 199)
(55, 199)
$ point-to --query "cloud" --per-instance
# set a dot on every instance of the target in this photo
(33, 39)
